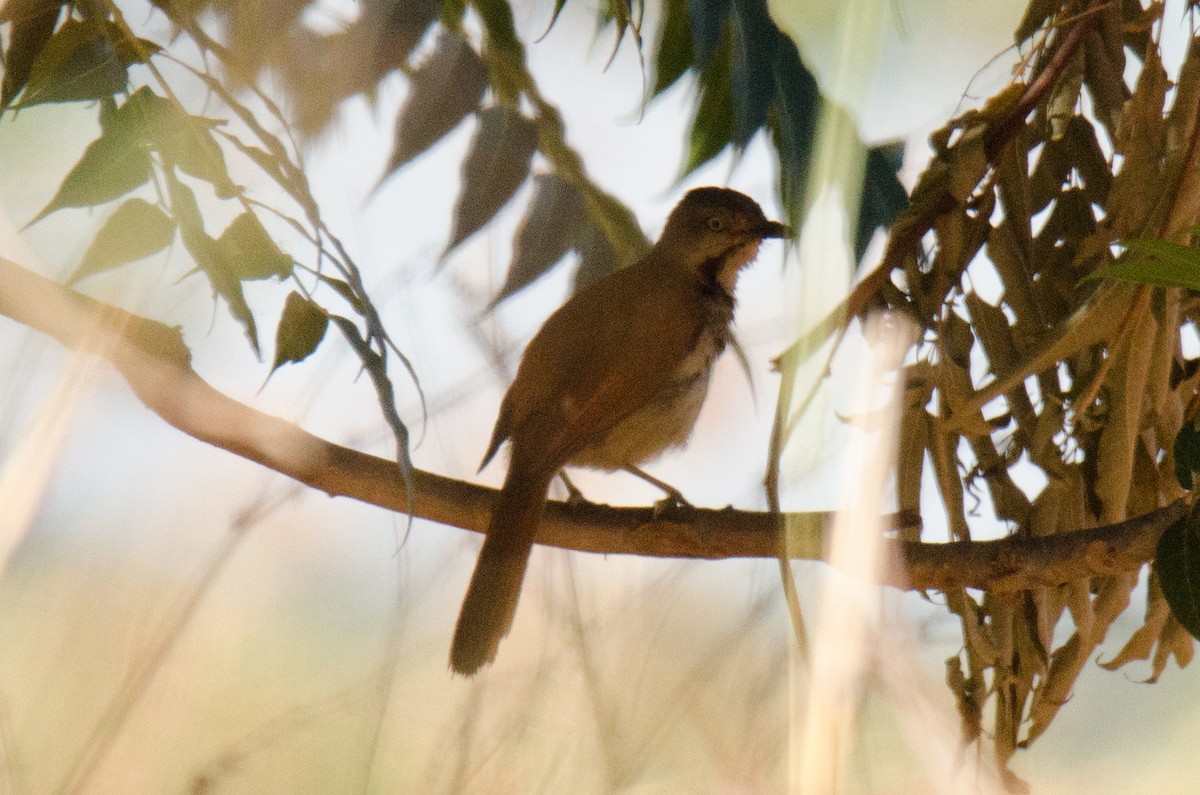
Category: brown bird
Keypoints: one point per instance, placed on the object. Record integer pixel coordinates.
(614, 377)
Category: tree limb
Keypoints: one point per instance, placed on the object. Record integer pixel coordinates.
(156, 363)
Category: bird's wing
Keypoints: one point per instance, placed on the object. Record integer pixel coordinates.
(599, 358)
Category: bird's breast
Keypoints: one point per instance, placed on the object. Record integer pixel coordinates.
(667, 418)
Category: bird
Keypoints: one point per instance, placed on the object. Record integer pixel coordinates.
(613, 378)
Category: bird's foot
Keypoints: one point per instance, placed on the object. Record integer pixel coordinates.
(575, 498)
(673, 504)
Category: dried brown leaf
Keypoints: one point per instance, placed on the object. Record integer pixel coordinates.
(1064, 97)
(1126, 392)
(1140, 140)
(1055, 690)
(1182, 167)
(1182, 644)
(1012, 181)
(980, 648)
(1105, 80)
(968, 698)
(1141, 643)
(910, 454)
(1084, 152)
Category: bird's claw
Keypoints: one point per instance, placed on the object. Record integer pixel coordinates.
(673, 503)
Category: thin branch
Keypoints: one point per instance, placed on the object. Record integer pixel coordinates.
(157, 365)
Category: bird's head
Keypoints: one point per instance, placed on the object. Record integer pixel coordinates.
(716, 232)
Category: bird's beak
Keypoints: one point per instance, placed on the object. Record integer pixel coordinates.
(774, 229)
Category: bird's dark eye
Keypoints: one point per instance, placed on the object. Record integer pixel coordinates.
(715, 224)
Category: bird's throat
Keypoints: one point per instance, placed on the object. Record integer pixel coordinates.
(722, 271)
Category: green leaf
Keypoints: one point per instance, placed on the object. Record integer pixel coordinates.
(712, 125)
(183, 140)
(137, 229)
(674, 55)
(496, 166)
(347, 293)
(1187, 455)
(441, 93)
(558, 7)
(111, 166)
(883, 197)
(249, 252)
(209, 256)
(31, 26)
(707, 18)
(797, 106)
(1177, 563)
(1157, 262)
(550, 229)
(621, 14)
(301, 329)
(504, 52)
(81, 61)
(755, 39)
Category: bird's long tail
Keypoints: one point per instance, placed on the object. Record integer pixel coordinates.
(491, 601)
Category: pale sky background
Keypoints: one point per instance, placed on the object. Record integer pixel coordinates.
(306, 606)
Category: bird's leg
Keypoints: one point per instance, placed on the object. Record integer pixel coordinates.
(575, 497)
(674, 499)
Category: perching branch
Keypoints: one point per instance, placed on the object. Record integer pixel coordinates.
(155, 362)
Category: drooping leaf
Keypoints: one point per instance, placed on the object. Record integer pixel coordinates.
(621, 14)
(31, 25)
(442, 92)
(183, 140)
(111, 166)
(301, 328)
(674, 53)
(883, 197)
(558, 7)
(1071, 219)
(713, 124)
(550, 229)
(1089, 159)
(1177, 563)
(707, 20)
(1104, 76)
(394, 27)
(347, 293)
(1157, 262)
(82, 61)
(209, 257)
(797, 107)
(135, 230)
(496, 166)
(249, 252)
(1049, 174)
(755, 38)
(1036, 14)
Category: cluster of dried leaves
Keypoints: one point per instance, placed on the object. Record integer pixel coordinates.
(1027, 361)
